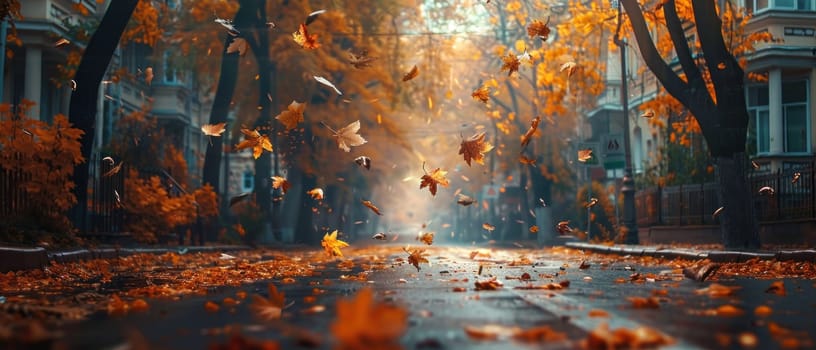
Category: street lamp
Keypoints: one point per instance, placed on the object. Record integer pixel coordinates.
(628, 187)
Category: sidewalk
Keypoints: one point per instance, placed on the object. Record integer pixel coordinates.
(15, 258)
(805, 255)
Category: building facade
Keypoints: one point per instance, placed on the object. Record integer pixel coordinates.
(33, 73)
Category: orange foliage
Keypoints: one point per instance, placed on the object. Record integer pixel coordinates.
(42, 157)
(152, 210)
(143, 27)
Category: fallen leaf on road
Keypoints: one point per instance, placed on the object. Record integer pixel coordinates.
(763, 311)
(716, 290)
(602, 338)
(597, 313)
(539, 334)
(490, 331)
(777, 287)
(363, 323)
(211, 306)
(491, 284)
(702, 273)
(644, 303)
(416, 257)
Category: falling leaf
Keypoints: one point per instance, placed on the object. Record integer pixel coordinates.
(766, 190)
(347, 136)
(316, 193)
(326, 82)
(62, 42)
(238, 198)
(313, 16)
(109, 160)
(539, 29)
(717, 212)
(510, 63)
(360, 60)
(465, 200)
(254, 140)
(721, 65)
(416, 257)
(563, 227)
(525, 160)
(488, 226)
(292, 115)
(371, 206)
(436, 177)
(332, 245)
(73, 85)
(592, 202)
(113, 171)
(570, 67)
(363, 161)
(228, 24)
(474, 148)
(363, 323)
(525, 139)
(426, 237)
(379, 236)
(754, 165)
(148, 75)
(534, 229)
(411, 74)
(796, 177)
(269, 309)
(481, 94)
(280, 182)
(304, 39)
(213, 129)
(648, 114)
(238, 45)
(584, 155)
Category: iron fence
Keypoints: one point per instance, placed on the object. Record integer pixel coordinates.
(694, 204)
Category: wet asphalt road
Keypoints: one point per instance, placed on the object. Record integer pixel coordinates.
(438, 315)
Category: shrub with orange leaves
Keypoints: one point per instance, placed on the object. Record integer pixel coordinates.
(38, 159)
(152, 210)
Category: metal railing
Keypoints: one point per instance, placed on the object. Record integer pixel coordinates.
(694, 204)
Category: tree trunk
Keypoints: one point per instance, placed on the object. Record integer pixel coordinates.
(263, 165)
(88, 77)
(738, 220)
(221, 103)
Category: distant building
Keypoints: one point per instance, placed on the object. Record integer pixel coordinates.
(29, 73)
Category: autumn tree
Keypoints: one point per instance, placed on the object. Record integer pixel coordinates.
(721, 113)
(89, 74)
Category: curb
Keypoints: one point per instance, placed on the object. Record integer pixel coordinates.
(16, 259)
(721, 256)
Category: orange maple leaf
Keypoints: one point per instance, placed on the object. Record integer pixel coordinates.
(304, 39)
(539, 29)
(292, 115)
(363, 323)
(436, 177)
(213, 129)
(332, 245)
(269, 308)
(373, 208)
(280, 182)
(426, 237)
(416, 257)
(413, 73)
(510, 63)
(255, 141)
(474, 148)
(481, 94)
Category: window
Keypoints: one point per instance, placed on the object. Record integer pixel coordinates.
(795, 115)
(169, 72)
(797, 5)
(248, 181)
(759, 136)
